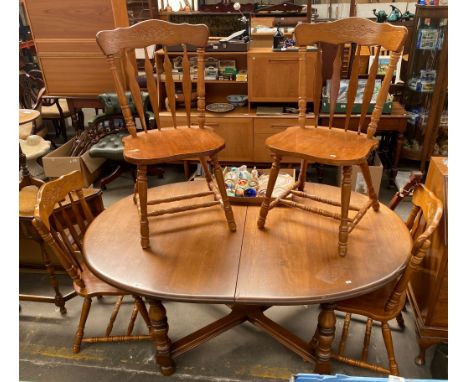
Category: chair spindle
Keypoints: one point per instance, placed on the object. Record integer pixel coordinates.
(201, 86)
(318, 86)
(335, 83)
(186, 85)
(352, 86)
(170, 87)
(369, 89)
(135, 88)
(152, 89)
(302, 86)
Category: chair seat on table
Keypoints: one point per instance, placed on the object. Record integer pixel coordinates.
(329, 146)
(182, 142)
(109, 147)
(53, 112)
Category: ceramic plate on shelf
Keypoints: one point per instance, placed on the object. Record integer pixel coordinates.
(219, 107)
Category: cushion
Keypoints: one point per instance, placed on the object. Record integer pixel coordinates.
(53, 112)
(109, 147)
(112, 105)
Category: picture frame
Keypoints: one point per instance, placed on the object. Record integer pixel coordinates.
(384, 62)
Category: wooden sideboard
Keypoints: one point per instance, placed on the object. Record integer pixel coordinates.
(428, 290)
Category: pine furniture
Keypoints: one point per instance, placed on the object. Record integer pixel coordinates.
(62, 228)
(250, 269)
(386, 303)
(182, 141)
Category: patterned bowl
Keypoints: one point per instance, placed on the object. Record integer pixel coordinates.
(237, 99)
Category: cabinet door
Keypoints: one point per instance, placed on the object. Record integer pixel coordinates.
(265, 127)
(238, 134)
(273, 77)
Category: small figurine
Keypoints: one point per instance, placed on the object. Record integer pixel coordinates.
(381, 16)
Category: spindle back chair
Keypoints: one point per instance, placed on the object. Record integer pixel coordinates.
(387, 302)
(327, 144)
(169, 144)
(62, 226)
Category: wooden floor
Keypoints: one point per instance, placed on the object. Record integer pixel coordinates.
(241, 354)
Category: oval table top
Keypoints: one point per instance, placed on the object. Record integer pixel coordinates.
(194, 257)
(28, 115)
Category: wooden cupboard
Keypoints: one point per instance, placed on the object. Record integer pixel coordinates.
(428, 289)
(65, 37)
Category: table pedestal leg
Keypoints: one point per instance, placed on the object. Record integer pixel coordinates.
(326, 334)
(162, 343)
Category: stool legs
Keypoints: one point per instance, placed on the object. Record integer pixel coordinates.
(345, 198)
(370, 188)
(271, 184)
(142, 185)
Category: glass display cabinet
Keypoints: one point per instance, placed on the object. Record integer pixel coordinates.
(425, 95)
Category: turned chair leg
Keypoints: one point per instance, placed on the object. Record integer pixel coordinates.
(142, 182)
(370, 188)
(80, 331)
(367, 335)
(345, 199)
(387, 336)
(302, 175)
(271, 185)
(344, 334)
(218, 173)
(58, 300)
(113, 316)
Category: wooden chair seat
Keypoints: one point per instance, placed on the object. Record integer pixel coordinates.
(322, 144)
(171, 144)
(95, 286)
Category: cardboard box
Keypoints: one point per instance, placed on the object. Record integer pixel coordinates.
(59, 162)
(357, 179)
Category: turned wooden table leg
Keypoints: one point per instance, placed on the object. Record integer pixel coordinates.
(326, 334)
(396, 160)
(162, 343)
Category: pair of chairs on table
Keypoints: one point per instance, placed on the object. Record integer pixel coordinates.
(32, 96)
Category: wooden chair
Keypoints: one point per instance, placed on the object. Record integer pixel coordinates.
(169, 144)
(387, 302)
(327, 144)
(63, 228)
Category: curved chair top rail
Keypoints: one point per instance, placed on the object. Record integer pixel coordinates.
(151, 32)
(353, 30)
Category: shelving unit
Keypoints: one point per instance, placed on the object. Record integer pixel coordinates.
(425, 96)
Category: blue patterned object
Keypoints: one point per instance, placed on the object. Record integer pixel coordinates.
(345, 378)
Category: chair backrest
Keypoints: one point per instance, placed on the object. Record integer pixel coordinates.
(422, 222)
(359, 32)
(119, 46)
(30, 91)
(61, 217)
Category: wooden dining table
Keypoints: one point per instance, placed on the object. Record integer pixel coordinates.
(194, 258)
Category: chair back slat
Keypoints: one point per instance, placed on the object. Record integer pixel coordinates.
(165, 34)
(352, 86)
(201, 102)
(132, 74)
(335, 83)
(186, 85)
(424, 219)
(354, 32)
(152, 89)
(170, 87)
(369, 89)
(76, 212)
(318, 86)
(382, 95)
(302, 86)
(61, 234)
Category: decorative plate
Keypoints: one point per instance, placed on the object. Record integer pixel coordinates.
(219, 107)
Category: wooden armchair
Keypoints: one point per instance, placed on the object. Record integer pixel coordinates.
(327, 144)
(387, 302)
(62, 227)
(160, 145)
